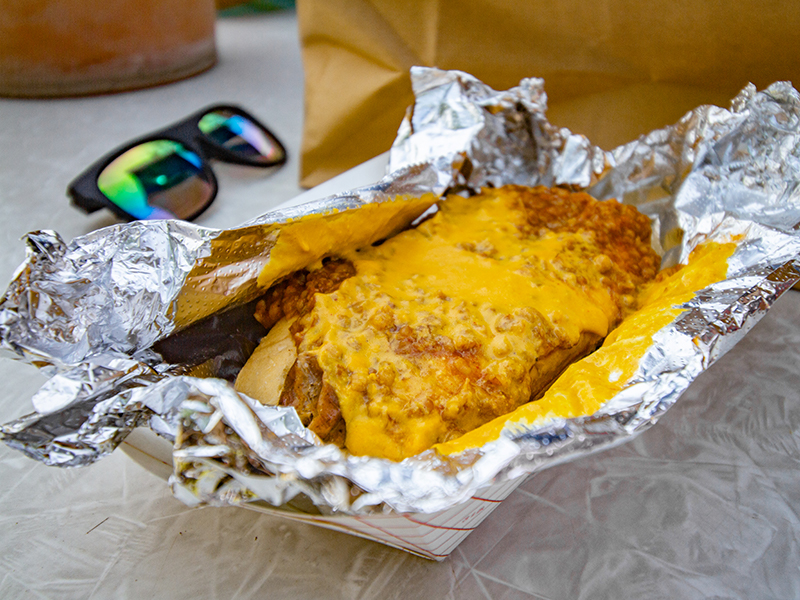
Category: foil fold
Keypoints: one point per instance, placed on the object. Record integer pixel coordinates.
(90, 312)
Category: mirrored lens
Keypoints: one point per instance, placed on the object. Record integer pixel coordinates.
(239, 134)
(161, 179)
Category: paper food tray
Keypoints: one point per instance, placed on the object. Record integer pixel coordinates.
(432, 535)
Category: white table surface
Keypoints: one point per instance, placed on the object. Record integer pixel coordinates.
(705, 504)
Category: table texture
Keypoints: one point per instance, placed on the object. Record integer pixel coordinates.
(706, 504)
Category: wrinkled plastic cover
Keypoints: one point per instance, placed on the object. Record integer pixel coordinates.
(89, 312)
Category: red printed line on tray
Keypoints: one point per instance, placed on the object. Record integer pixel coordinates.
(433, 526)
(401, 540)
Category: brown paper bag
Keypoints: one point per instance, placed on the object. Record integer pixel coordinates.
(613, 69)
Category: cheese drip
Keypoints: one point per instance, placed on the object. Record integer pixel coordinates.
(588, 384)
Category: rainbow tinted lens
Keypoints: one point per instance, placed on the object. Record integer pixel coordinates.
(160, 179)
(240, 135)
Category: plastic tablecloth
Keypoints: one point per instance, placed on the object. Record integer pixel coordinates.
(703, 505)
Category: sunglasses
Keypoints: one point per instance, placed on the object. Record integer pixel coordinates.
(166, 174)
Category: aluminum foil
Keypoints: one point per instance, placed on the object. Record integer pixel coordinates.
(92, 312)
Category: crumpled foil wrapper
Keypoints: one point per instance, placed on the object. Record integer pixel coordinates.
(90, 312)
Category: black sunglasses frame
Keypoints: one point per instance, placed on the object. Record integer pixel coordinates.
(86, 195)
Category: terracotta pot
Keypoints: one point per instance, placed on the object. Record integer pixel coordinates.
(75, 47)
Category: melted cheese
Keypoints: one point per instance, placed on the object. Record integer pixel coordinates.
(440, 330)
